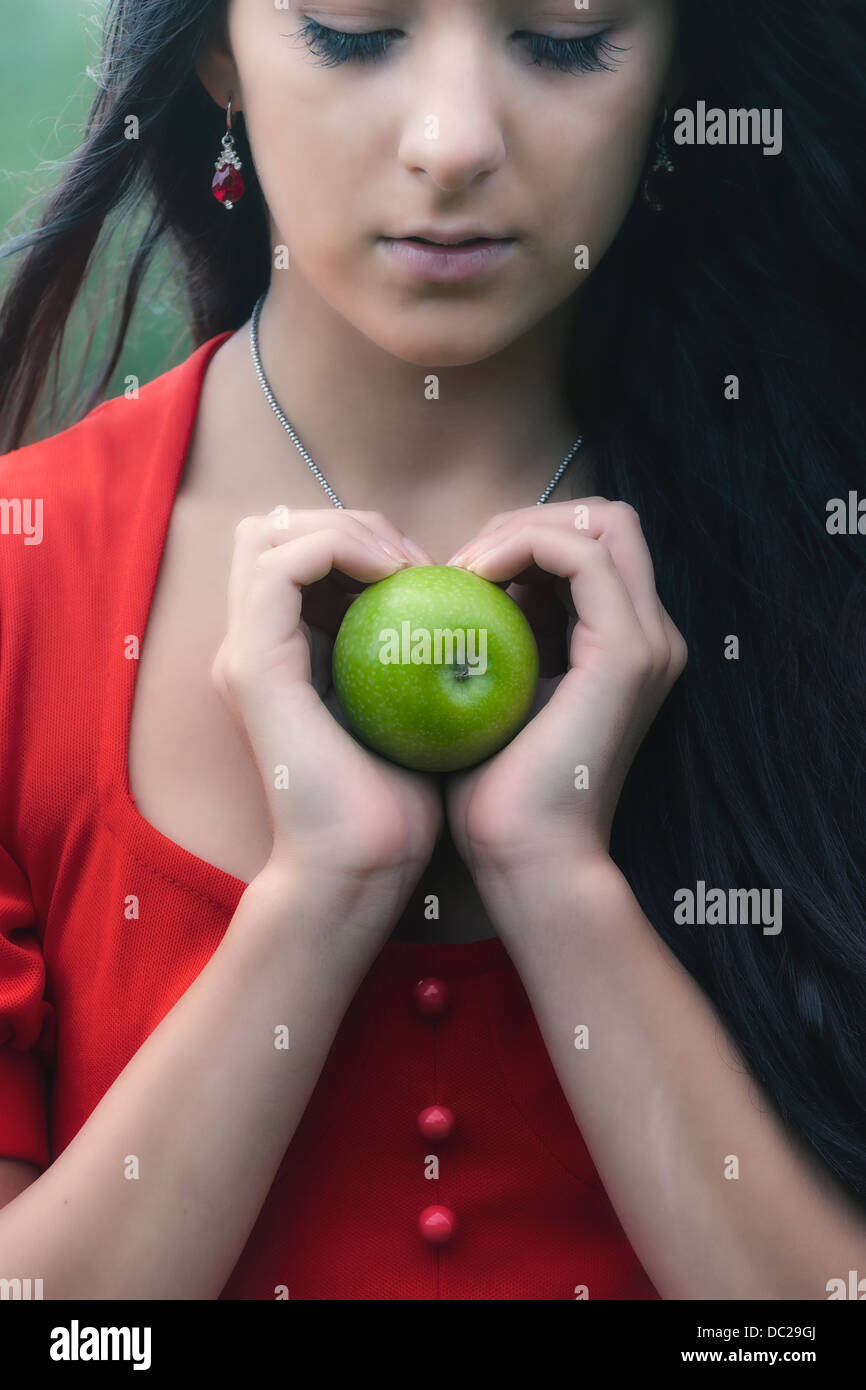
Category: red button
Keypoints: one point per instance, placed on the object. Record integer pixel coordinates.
(431, 997)
(437, 1224)
(436, 1122)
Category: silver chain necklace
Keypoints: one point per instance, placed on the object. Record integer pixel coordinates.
(263, 381)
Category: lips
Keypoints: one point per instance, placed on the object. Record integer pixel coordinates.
(439, 234)
(469, 241)
(446, 262)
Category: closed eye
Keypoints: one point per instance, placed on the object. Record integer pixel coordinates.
(336, 46)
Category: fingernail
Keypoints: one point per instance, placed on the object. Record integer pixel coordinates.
(394, 553)
(415, 551)
(477, 557)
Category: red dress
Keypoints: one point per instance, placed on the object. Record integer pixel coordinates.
(82, 986)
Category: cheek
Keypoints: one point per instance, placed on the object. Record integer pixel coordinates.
(313, 157)
(597, 173)
(603, 138)
(313, 177)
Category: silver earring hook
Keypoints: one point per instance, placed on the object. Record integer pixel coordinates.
(229, 114)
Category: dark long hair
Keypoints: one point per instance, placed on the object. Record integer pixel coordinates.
(753, 774)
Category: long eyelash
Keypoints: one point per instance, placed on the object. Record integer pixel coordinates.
(573, 55)
(338, 46)
(335, 46)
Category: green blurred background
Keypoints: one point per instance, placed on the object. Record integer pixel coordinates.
(46, 50)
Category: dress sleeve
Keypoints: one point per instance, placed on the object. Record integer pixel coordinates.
(26, 1023)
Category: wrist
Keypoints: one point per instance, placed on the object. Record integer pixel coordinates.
(290, 910)
(545, 895)
(338, 892)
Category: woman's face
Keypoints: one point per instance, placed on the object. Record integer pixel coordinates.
(495, 113)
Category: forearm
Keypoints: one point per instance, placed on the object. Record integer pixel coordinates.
(665, 1103)
(206, 1107)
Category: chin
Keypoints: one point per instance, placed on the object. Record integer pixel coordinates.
(460, 345)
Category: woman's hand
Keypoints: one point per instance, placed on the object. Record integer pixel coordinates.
(336, 809)
(531, 802)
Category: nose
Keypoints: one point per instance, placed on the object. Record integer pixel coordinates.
(453, 128)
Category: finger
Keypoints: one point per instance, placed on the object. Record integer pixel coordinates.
(623, 535)
(255, 534)
(617, 525)
(381, 526)
(560, 511)
(290, 519)
(598, 590)
(273, 606)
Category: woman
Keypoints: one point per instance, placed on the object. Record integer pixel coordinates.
(315, 1025)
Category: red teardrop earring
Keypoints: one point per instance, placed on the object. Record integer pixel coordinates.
(228, 185)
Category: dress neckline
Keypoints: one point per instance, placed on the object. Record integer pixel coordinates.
(158, 462)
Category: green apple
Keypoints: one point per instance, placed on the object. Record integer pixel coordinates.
(435, 667)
